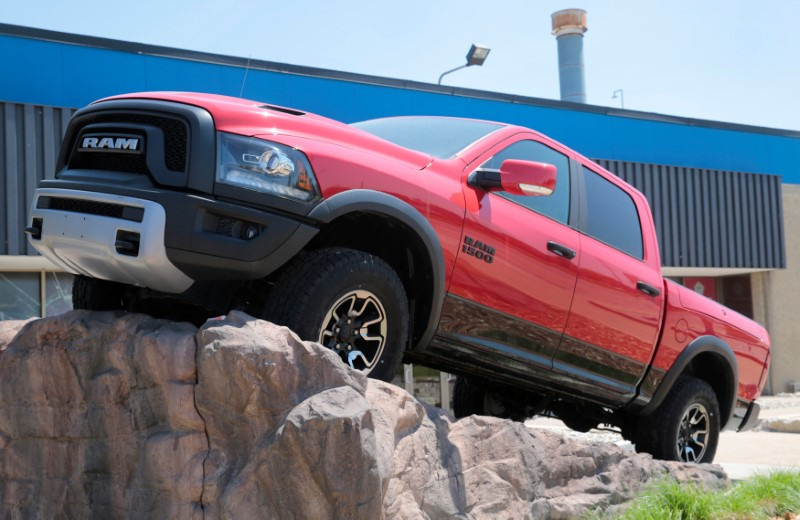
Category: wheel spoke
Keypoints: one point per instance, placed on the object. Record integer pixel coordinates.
(693, 433)
(691, 456)
(361, 311)
(359, 343)
(372, 322)
(352, 305)
(353, 355)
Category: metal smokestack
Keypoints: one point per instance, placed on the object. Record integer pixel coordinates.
(568, 28)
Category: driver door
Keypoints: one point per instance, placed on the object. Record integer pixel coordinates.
(515, 273)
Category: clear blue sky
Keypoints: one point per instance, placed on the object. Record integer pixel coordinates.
(733, 60)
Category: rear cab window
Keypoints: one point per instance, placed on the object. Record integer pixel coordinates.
(611, 215)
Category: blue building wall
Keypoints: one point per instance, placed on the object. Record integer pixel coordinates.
(58, 73)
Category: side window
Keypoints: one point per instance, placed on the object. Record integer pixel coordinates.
(611, 215)
(555, 206)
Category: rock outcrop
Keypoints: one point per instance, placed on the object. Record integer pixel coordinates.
(118, 415)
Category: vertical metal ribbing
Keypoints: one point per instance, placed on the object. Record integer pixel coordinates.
(12, 180)
(728, 230)
(49, 142)
(711, 218)
(30, 137)
(706, 204)
(31, 168)
(776, 224)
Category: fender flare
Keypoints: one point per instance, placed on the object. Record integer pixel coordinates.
(700, 345)
(371, 201)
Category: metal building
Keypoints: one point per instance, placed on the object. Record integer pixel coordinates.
(723, 195)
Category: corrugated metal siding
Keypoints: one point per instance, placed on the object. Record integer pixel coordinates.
(30, 137)
(711, 218)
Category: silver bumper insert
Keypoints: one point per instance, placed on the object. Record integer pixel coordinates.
(84, 243)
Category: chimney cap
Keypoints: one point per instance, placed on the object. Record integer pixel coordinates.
(569, 21)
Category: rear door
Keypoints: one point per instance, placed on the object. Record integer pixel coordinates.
(612, 330)
(510, 292)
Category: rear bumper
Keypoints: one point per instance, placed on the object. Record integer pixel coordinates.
(744, 417)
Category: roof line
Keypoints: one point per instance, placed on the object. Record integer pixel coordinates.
(272, 66)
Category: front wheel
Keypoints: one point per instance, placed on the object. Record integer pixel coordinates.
(95, 294)
(349, 301)
(685, 427)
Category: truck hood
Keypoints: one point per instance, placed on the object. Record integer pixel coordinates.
(251, 118)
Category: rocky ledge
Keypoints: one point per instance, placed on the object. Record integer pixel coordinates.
(126, 416)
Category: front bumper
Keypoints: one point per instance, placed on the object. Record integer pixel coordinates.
(161, 239)
(87, 244)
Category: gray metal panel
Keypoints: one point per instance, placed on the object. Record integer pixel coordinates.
(30, 136)
(711, 218)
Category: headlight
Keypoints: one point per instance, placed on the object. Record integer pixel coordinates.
(256, 164)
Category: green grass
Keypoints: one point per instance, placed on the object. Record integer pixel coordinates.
(763, 496)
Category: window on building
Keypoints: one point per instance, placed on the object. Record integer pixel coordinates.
(25, 295)
(20, 296)
(555, 206)
(57, 293)
(611, 215)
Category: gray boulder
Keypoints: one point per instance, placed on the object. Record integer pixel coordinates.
(125, 416)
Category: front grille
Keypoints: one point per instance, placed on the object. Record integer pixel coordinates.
(113, 162)
(175, 144)
(91, 207)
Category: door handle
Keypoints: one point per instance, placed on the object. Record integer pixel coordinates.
(647, 289)
(562, 251)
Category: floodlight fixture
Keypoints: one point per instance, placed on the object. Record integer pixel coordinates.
(476, 56)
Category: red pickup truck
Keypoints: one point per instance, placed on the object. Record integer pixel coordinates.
(479, 248)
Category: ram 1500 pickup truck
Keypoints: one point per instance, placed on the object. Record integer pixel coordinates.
(484, 249)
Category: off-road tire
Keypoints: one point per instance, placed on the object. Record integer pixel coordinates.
(308, 289)
(660, 433)
(95, 295)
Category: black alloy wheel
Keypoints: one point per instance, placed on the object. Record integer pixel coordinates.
(355, 327)
(685, 427)
(351, 302)
(693, 434)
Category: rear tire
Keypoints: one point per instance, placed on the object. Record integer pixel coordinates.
(351, 302)
(685, 427)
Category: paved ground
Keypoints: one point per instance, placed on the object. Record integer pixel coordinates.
(765, 449)
(741, 454)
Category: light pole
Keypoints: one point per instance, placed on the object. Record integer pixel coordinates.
(476, 56)
(621, 97)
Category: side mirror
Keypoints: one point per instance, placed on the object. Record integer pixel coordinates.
(517, 177)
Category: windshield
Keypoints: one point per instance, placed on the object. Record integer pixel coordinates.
(440, 137)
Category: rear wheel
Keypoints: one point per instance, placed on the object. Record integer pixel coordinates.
(685, 427)
(349, 301)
